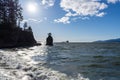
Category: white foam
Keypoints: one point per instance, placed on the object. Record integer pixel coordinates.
(21, 66)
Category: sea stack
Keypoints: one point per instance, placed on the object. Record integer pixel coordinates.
(49, 40)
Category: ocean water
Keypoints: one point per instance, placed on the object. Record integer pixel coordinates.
(63, 61)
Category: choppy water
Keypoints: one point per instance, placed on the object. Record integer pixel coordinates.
(73, 61)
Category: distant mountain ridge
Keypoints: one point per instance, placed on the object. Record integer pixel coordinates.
(110, 40)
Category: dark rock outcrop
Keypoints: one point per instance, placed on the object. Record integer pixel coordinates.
(49, 40)
(15, 37)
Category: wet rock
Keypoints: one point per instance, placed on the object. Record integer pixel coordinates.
(49, 40)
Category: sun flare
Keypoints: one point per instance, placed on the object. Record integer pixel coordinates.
(32, 7)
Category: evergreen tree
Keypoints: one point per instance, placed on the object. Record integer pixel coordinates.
(25, 25)
(10, 12)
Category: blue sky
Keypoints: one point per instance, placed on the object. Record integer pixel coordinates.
(73, 20)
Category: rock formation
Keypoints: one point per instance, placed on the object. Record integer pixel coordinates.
(11, 35)
(49, 40)
(15, 37)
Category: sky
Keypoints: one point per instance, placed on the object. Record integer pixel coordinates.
(73, 20)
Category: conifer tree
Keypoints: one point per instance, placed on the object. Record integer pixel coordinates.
(10, 12)
(25, 25)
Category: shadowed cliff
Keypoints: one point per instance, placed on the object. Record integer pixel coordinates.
(11, 34)
(15, 37)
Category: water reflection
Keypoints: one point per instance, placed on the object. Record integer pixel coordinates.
(95, 61)
(62, 62)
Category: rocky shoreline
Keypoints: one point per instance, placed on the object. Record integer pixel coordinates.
(11, 37)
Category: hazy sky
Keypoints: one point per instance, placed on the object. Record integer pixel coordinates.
(73, 20)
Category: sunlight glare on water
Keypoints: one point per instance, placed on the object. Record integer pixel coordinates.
(61, 62)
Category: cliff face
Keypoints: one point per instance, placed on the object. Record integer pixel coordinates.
(26, 38)
(15, 37)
